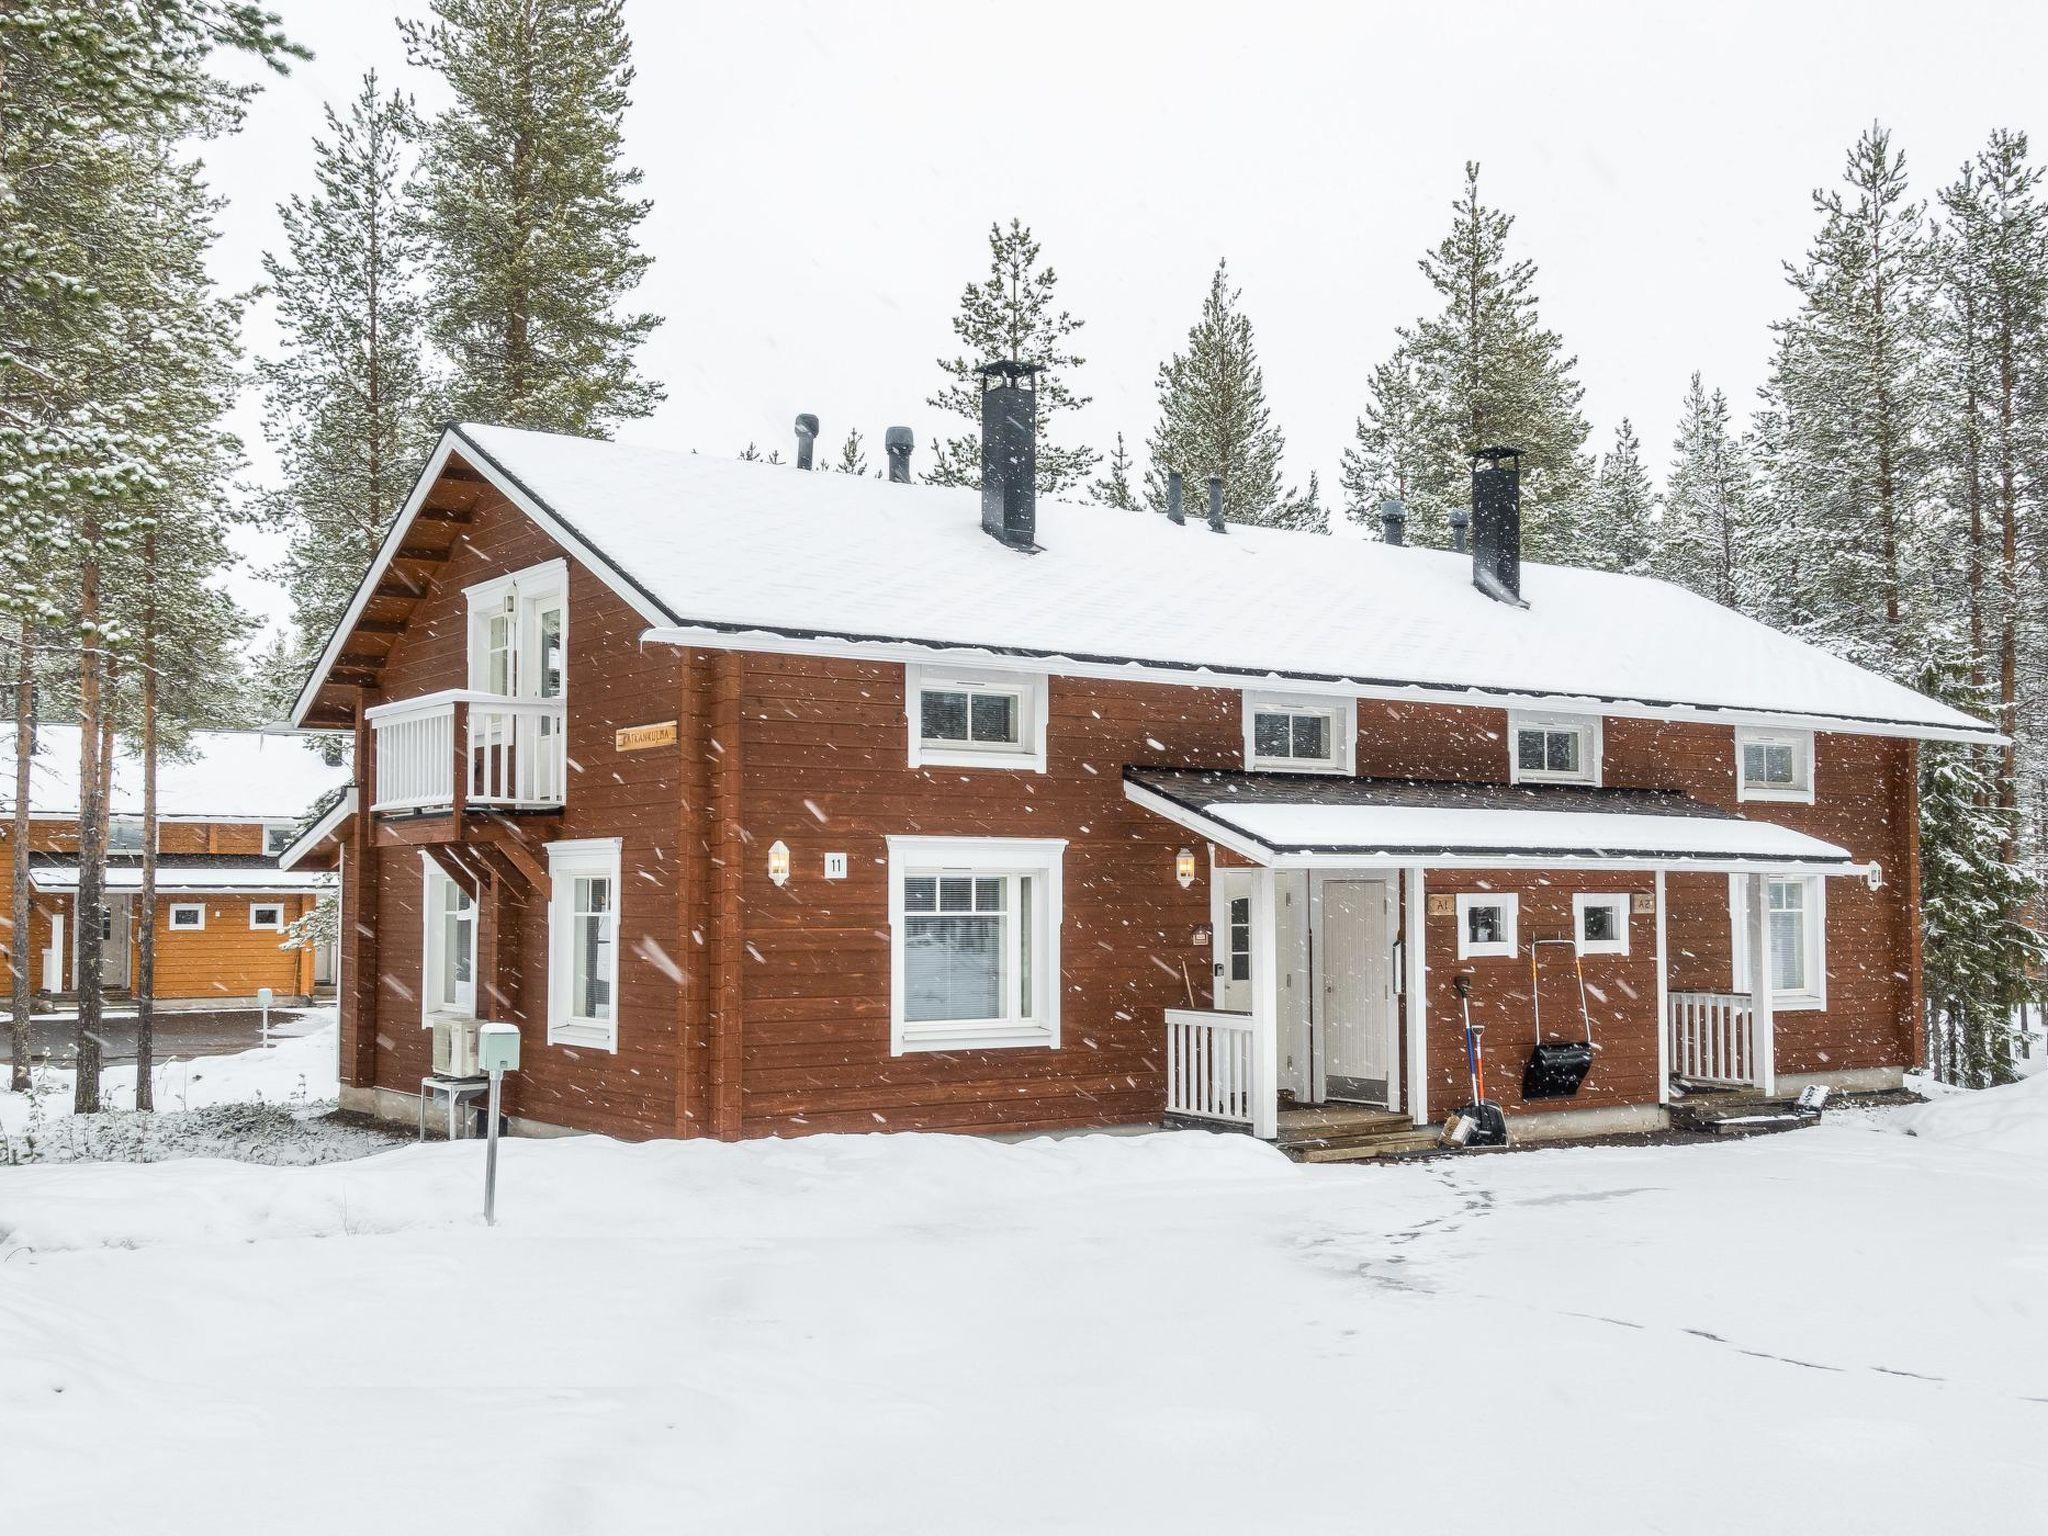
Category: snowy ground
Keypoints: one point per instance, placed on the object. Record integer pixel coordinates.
(1838, 1330)
(269, 1105)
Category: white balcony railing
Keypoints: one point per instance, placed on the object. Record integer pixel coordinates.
(1212, 1065)
(459, 749)
(1713, 1038)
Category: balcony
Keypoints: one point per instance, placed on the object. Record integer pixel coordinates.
(458, 750)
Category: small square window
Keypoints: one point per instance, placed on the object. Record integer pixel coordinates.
(1487, 924)
(277, 836)
(1554, 749)
(188, 916)
(1774, 765)
(266, 914)
(1601, 923)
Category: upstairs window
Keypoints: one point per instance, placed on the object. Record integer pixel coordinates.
(1553, 749)
(517, 629)
(1774, 765)
(124, 834)
(1290, 734)
(277, 836)
(973, 719)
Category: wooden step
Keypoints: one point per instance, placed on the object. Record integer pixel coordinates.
(1735, 1114)
(1365, 1148)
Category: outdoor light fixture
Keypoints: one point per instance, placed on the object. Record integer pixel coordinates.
(778, 862)
(1184, 867)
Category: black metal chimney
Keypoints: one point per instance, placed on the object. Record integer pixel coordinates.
(1460, 521)
(1174, 514)
(1216, 504)
(1393, 521)
(1009, 453)
(1497, 524)
(899, 442)
(806, 435)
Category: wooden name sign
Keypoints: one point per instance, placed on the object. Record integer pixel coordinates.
(1443, 906)
(639, 738)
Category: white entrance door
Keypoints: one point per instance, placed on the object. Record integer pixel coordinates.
(1232, 918)
(1356, 1018)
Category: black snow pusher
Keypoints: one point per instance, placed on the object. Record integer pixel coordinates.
(1557, 1068)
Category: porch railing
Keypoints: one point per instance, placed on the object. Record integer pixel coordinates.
(1713, 1038)
(1211, 1065)
(458, 749)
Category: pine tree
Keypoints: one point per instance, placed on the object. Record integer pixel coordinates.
(1706, 502)
(1113, 489)
(1616, 534)
(528, 216)
(1213, 417)
(1481, 370)
(351, 410)
(1305, 513)
(1846, 419)
(1390, 454)
(1010, 315)
(853, 458)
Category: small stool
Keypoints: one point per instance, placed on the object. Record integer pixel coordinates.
(455, 1090)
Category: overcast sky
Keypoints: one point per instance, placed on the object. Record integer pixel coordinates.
(823, 176)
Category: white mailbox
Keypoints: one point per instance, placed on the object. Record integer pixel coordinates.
(497, 1048)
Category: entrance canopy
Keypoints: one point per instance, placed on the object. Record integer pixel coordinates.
(1310, 821)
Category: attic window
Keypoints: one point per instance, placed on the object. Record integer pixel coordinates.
(1774, 765)
(1299, 735)
(1553, 749)
(975, 719)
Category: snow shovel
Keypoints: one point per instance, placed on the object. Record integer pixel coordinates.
(1479, 1123)
(1556, 1068)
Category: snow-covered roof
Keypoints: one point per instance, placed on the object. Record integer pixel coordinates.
(765, 557)
(228, 776)
(1298, 820)
(178, 879)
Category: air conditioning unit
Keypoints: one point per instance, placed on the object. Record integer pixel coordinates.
(455, 1046)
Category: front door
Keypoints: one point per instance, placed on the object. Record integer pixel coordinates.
(1357, 992)
(114, 939)
(1233, 928)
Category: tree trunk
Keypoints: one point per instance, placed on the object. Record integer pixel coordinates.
(145, 962)
(20, 947)
(92, 829)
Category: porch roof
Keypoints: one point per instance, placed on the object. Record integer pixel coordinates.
(1293, 821)
(183, 874)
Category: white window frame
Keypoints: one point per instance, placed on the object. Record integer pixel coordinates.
(569, 861)
(1582, 901)
(284, 829)
(266, 906)
(1042, 858)
(523, 594)
(1343, 717)
(1511, 925)
(136, 822)
(1801, 743)
(1812, 998)
(437, 886)
(1030, 689)
(178, 908)
(1589, 729)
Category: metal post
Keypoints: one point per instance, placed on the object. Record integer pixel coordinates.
(263, 998)
(491, 1151)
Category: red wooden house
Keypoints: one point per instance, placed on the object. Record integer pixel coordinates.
(766, 801)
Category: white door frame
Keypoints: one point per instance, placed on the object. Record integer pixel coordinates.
(1390, 932)
(53, 957)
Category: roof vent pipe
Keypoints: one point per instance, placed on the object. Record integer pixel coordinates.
(1497, 524)
(1460, 521)
(806, 436)
(1216, 504)
(1393, 520)
(1009, 453)
(899, 442)
(1174, 514)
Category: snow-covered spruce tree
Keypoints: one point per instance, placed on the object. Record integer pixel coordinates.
(1616, 531)
(1703, 538)
(1304, 512)
(528, 214)
(1486, 371)
(853, 458)
(1980, 954)
(1844, 431)
(1113, 487)
(1213, 417)
(1012, 314)
(351, 408)
(1991, 423)
(1389, 456)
